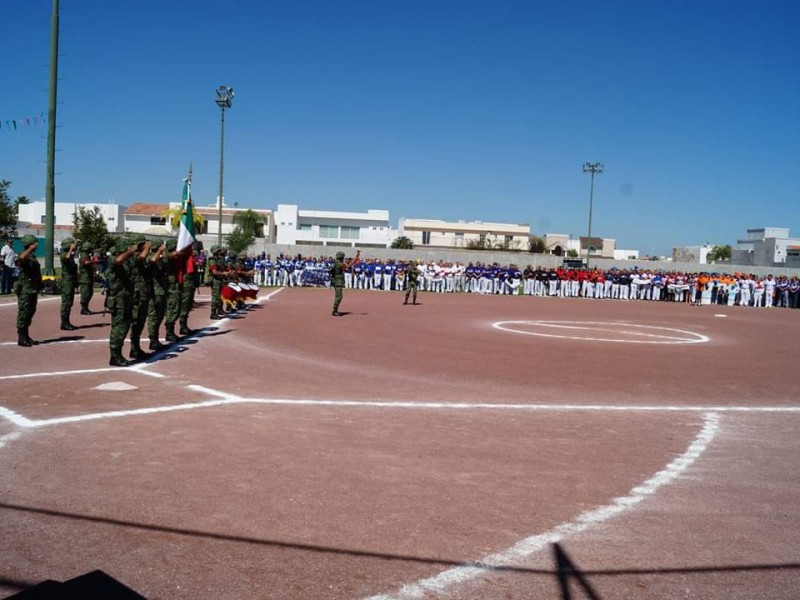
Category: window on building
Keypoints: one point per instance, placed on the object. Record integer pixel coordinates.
(509, 239)
(483, 238)
(158, 220)
(350, 233)
(303, 227)
(459, 238)
(426, 237)
(328, 231)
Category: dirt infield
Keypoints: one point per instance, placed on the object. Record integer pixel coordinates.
(468, 447)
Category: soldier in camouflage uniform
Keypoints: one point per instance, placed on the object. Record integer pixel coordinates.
(142, 293)
(69, 279)
(173, 290)
(88, 264)
(158, 306)
(187, 297)
(412, 282)
(218, 272)
(27, 288)
(337, 278)
(119, 299)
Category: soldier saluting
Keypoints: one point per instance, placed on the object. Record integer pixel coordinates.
(27, 289)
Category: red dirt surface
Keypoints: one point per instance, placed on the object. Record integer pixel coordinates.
(414, 439)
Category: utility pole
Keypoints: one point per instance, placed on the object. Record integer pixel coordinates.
(224, 100)
(50, 190)
(591, 168)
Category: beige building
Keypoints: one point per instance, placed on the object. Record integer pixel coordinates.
(430, 233)
(560, 244)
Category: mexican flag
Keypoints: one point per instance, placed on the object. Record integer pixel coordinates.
(186, 232)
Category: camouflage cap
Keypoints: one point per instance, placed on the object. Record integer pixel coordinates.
(215, 248)
(28, 240)
(121, 245)
(340, 255)
(88, 246)
(67, 242)
(172, 244)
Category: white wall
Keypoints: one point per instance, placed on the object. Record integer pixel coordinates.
(293, 225)
(64, 212)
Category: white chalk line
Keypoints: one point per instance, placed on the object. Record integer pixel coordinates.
(660, 338)
(140, 368)
(440, 583)
(40, 300)
(225, 399)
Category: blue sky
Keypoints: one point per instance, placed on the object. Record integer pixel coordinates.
(476, 110)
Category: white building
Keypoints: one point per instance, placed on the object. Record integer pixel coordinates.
(765, 247)
(332, 228)
(626, 254)
(431, 233)
(151, 219)
(64, 213)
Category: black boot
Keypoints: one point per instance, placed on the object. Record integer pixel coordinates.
(28, 338)
(22, 339)
(171, 337)
(85, 309)
(66, 325)
(215, 315)
(136, 350)
(155, 345)
(184, 330)
(118, 361)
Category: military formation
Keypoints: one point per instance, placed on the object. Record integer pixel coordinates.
(147, 285)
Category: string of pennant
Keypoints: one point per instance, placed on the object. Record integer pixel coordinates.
(35, 120)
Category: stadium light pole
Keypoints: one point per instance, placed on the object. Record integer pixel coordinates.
(224, 100)
(591, 168)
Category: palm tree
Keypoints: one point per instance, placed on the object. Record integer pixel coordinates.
(174, 214)
(250, 222)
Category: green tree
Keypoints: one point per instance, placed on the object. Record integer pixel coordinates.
(536, 245)
(250, 222)
(572, 253)
(720, 253)
(402, 243)
(239, 241)
(88, 225)
(8, 212)
(248, 225)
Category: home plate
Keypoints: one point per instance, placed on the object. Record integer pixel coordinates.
(115, 386)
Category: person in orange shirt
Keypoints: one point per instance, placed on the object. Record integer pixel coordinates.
(700, 286)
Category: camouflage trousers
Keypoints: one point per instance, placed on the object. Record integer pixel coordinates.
(216, 295)
(337, 297)
(121, 309)
(67, 298)
(26, 307)
(155, 315)
(179, 303)
(139, 308)
(87, 291)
